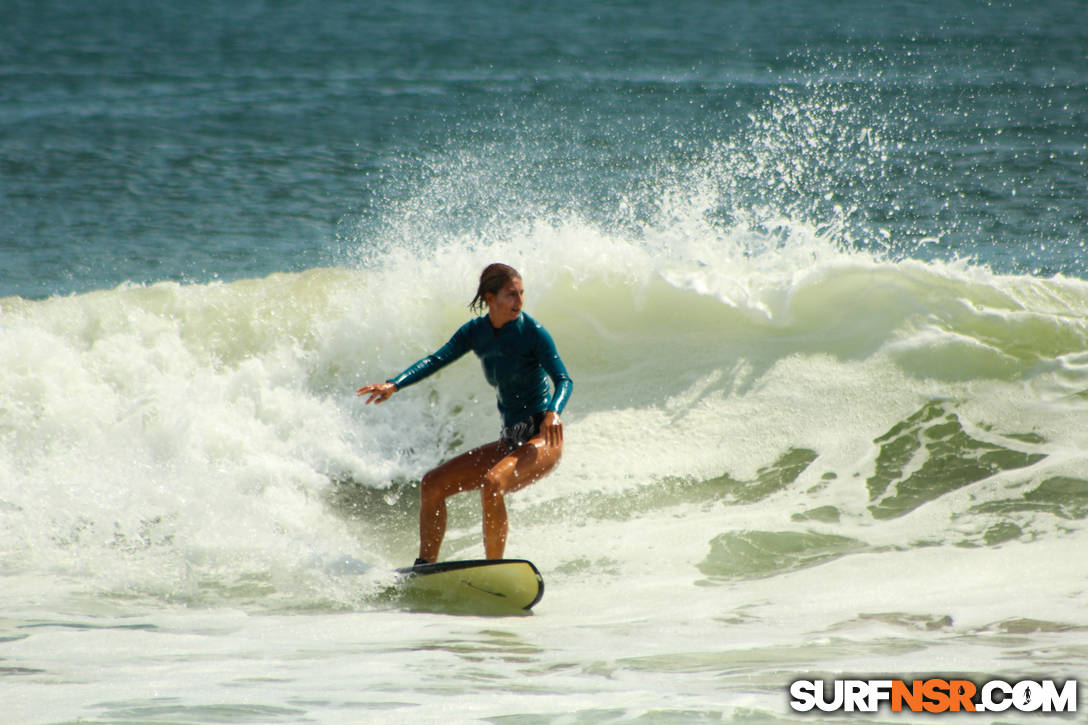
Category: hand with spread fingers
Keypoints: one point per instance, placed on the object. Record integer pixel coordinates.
(378, 392)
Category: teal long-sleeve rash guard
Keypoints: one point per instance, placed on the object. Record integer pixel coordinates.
(517, 358)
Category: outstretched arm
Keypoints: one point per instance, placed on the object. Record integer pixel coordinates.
(455, 348)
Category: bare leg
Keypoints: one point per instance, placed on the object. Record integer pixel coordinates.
(496, 523)
(527, 464)
(492, 470)
(463, 473)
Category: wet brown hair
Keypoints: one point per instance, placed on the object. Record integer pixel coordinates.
(492, 279)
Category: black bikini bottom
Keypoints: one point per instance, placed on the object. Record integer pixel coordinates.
(518, 434)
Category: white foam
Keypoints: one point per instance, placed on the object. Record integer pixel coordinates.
(202, 426)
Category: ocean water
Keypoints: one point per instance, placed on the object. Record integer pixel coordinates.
(817, 269)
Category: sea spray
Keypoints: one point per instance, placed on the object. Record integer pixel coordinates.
(212, 429)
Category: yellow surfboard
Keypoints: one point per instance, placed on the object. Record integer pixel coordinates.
(475, 586)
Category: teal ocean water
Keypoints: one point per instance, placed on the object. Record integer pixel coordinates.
(817, 270)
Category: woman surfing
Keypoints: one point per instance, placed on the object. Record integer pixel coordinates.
(518, 356)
